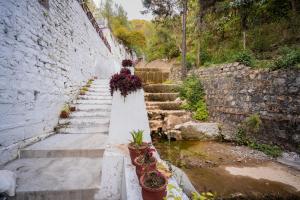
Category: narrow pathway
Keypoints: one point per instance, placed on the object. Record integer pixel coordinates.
(68, 164)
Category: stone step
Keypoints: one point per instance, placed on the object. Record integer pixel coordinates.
(161, 96)
(57, 178)
(97, 93)
(84, 121)
(81, 107)
(168, 105)
(93, 102)
(163, 113)
(100, 90)
(103, 129)
(161, 88)
(93, 113)
(142, 69)
(150, 77)
(85, 97)
(67, 145)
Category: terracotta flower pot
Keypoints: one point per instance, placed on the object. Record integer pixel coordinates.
(135, 152)
(143, 168)
(149, 193)
(72, 108)
(64, 114)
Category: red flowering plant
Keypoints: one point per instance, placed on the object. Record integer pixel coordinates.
(125, 82)
(127, 63)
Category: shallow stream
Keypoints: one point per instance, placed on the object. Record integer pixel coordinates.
(231, 172)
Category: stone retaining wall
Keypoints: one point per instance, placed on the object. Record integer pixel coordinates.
(46, 54)
(234, 91)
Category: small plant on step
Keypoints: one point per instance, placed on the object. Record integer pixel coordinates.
(85, 89)
(65, 112)
(82, 92)
(90, 81)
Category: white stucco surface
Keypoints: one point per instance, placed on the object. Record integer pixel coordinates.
(45, 57)
(128, 114)
(8, 182)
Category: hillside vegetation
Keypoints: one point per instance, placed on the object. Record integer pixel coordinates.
(258, 33)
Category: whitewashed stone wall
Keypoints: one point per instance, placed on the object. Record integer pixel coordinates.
(45, 56)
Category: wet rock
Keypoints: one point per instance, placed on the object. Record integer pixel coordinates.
(199, 131)
(172, 120)
(291, 159)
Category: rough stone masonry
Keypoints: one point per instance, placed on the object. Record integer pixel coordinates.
(46, 54)
(234, 92)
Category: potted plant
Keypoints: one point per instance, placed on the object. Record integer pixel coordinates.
(145, 162)
(125, 82)
(154, 185)
(137, 146)
(127, 63)
(65, 112)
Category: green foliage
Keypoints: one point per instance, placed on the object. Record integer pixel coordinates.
(245, 58)
(201, 113)
(193, 92)
(203, 196)
(252, 125)
(66, 108)
(290, 58)
(137, 137)
(270, 150)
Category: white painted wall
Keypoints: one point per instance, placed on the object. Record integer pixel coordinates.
(45, 56)
(128, 114)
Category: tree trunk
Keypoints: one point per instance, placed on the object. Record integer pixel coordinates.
(244, 39)
(184, 16)
(198, 61)
(294, 7)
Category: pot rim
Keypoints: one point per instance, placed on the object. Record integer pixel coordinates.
(163, 187)
(144, 146)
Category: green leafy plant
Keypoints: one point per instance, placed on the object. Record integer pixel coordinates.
(290, 58)
(270, 150)
(203, 196)
(245, 58)
(85, 89)
(137, 137)
(193, 92)
(201, 113)
(252, 125)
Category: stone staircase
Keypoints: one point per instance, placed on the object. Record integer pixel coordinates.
(68, 164)
(163, 104)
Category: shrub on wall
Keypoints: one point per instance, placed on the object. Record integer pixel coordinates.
(125, 82)
(245, 58)
(193, 92)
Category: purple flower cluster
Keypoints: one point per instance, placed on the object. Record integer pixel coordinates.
(125, 82)
(127, 63)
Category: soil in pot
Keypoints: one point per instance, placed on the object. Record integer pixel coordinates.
(136, 151)
(154, 186)
(143, 166)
